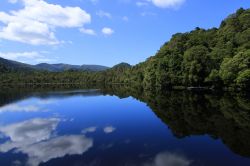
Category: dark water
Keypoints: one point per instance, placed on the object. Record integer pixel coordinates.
(123, 127)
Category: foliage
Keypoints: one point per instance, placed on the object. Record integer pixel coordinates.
(243, 80)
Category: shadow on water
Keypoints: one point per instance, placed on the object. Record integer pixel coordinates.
(222, 116)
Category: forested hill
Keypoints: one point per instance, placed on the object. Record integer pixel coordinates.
(214, 57)
(8, 65)
(13, 66)
(217, 57)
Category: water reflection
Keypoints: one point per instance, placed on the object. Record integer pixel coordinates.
(56, 147)
(24, 134)
(35, 139)
(94, 131)
(19, 108)
(36, 106)
(109, 129)
(89, 130)
(169, 159)
(224, 116)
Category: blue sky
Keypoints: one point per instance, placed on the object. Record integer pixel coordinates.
(104, 32)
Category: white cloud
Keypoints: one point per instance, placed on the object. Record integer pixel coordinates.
(16, 55)
(27, 31)
(36, 23)
(103, 14)
(54, 15)
(109, 129)
(87, 31)
(26, 56)
(107, 31)
(169, 159)
(167, 3)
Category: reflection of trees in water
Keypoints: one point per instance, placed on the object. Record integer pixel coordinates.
(219, 117)
(12, 94)
(223, 116)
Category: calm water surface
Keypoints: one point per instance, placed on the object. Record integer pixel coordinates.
(122, 128)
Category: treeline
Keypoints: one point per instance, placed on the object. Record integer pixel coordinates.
(217, 58)
(114, 75)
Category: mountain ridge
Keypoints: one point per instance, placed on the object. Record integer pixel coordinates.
(10, 65)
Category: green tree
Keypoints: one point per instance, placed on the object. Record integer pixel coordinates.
(243, 80)
(195, 65)
(232, 67)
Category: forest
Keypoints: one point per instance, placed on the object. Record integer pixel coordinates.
(217, 58)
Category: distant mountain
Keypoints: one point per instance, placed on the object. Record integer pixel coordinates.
(64, 67)
(9, 65)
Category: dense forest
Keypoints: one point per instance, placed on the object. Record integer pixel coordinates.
(214, 58)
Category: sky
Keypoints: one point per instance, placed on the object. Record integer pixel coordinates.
(103, 32)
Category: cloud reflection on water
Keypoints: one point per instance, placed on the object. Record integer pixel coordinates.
(37, 105)
(19, 108)
(89, 130)
(35, 139)
(57, 147)
(27, 107)
(169, 159)
(28, 132)
(109, 129)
